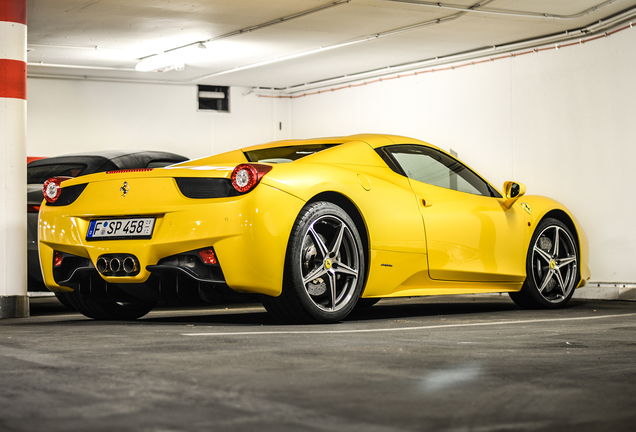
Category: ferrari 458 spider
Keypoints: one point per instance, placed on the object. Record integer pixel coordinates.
(313, 227)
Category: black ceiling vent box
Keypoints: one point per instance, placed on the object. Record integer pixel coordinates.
(214, 98)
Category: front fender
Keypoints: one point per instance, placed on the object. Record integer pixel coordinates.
(541, 207)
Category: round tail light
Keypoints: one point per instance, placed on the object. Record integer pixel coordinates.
(245, 177)
(52, 189)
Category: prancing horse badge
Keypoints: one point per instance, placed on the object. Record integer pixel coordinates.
(124, 189)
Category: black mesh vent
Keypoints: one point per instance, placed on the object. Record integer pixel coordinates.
(196, 187)
(69, 195)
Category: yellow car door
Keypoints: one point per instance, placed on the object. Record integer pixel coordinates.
(470, 234)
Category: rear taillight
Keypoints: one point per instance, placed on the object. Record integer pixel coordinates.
(52, 188)
(245, 177)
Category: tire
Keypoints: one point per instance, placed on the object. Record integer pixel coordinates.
(107, 310)
(552, 268)
(324, 268)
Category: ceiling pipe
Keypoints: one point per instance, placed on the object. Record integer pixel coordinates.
(248, 29)
(359, 83)
(479, 9)
(69, 66)
(331, 47)
(597, 27)
(77, 47)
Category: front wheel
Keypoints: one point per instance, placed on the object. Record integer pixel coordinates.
(324, 267)
(551, 266)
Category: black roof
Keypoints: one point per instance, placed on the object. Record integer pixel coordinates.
(88, 163)
(123, 159)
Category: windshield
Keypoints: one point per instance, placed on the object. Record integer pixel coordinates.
(285, 154)
(40, 174)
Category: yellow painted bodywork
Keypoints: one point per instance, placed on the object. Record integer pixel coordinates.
(422, 239)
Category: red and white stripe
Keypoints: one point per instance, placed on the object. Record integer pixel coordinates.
(13, 31)
(13, 254)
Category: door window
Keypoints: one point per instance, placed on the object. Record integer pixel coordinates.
(431, 166)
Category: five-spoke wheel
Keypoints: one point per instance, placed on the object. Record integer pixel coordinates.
(329, 263)
(324, 270)
(552, 267)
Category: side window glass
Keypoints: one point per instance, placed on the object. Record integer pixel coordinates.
(430, 166)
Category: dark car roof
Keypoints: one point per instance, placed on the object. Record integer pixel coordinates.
(108, 160)
(98, 161)
(122, 159)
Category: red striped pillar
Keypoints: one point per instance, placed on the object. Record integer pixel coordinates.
(13, 256)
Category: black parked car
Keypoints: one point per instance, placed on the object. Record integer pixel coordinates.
(74, 165)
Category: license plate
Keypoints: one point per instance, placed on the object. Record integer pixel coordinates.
(120, 228)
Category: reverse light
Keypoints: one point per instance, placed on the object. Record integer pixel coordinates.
(208, 256)
(52, 188)
(245, 177)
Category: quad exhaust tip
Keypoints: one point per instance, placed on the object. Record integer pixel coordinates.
(117, 265)
(129, 265)
(102, 265)
(114, 265)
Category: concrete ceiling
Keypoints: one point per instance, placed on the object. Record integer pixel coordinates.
(283, 44)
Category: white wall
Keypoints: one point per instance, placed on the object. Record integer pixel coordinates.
(66, 116)
(560, 121)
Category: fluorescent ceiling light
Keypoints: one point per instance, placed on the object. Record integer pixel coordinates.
(160, 63)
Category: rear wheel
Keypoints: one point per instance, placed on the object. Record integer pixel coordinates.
(551, 267)
(324, 268)
(107, 310)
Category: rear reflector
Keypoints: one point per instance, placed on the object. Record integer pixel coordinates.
(33, 208)
(208, 256)
(57, 258)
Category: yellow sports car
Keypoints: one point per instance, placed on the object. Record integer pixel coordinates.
(313, 227)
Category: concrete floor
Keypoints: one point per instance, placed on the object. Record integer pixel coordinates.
(468, 363)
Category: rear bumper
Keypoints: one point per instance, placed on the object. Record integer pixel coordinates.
(248, 233)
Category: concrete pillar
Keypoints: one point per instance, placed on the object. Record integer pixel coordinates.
(14, 302)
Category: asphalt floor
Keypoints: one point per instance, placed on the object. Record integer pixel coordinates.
(464, 363)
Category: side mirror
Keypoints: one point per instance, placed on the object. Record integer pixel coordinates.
(512, 192)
